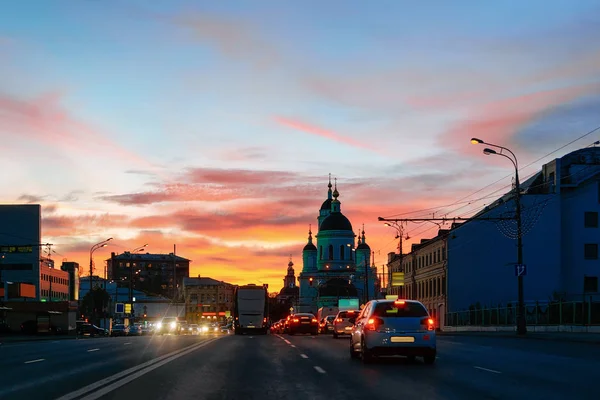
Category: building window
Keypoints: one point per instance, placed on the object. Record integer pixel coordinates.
(331, 252)
(591, 219)
(342, 255)
(590, 284)
(591, 251)
(320, 252)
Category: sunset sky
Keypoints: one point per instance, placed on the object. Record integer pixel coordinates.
(213, 125)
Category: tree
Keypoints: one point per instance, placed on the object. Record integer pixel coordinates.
(95, 303)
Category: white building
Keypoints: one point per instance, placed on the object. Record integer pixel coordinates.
(560, 242)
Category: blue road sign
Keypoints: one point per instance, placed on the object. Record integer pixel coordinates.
(119, 308)
(520, 270)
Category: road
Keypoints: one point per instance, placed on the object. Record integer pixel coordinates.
(292, 367)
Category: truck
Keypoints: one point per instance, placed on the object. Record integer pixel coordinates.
(325, 311)
(250, 309)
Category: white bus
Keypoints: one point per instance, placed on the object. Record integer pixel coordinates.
(250, 309)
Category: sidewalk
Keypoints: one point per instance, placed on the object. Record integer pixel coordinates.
(573, 337)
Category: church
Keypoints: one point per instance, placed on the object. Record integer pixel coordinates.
(335, 267)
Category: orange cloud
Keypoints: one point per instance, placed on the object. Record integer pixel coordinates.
(314, 130)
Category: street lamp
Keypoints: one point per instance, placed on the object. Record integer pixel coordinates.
(131, 272)
(95, 247)
(521, 321)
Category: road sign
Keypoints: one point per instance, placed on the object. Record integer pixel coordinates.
(128, 308)
(520, 270)
(292, 309)
(119, 308)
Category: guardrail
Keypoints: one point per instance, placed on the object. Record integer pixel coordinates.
(555, 313)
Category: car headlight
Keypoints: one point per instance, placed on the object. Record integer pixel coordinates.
(216, 329)
(173, 325)
(205, 329)
(159, 325)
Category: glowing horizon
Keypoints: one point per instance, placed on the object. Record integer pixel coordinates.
(214, 126)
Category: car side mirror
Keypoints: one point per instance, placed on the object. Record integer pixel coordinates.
(352, 320)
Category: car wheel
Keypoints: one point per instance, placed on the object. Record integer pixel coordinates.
(366, 355)
(335, 335)
(429, 359)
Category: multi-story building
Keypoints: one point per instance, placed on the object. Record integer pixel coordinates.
(20, 243)
(54, 283)
(560, 236)
(425, 274)
(207, 299)
(159, 274)
(72, 268)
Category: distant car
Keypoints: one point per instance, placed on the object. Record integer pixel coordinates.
(393, 327)
(119, 330)
(168, 325)
(135, 330)
(303, 323)
(194, 329)
(341, 323)
(226, 329)
(326, 324)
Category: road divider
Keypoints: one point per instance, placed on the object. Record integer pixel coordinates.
(100, 388)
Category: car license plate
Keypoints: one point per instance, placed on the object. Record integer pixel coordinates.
(402, 339)
(306, 322)
(348, 328)
(251, 326)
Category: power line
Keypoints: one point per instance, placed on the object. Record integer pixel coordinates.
(507, 176)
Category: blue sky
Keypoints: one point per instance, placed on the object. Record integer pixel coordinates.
(243, 108)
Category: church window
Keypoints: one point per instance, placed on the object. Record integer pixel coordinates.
(342, 255)
(331, 252)
(320, 252)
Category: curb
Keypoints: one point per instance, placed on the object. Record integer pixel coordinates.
(528, 337)
(3, 340)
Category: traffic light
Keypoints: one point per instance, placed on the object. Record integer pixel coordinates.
(310, 280)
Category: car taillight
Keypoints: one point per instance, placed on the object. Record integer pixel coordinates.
(429, 323)
(314, 320)
(339, 320)
(264, 320)
(295, 320)
(373, 324)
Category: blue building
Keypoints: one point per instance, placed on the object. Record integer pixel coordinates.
(334, 268)
(560, 206)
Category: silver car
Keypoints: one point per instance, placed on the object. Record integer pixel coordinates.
(393, 327)
(341, 323)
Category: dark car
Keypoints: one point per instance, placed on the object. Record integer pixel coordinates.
(135, 330)
(119, 330)
(91, 330)
(303, 323)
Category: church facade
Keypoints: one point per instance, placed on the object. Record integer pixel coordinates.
(337, 266)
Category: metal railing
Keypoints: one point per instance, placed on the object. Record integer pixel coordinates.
(538, 313)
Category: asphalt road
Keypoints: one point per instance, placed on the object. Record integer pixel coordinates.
(293, 367)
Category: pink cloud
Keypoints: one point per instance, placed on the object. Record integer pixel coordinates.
(498, 121)
(317, 131)
(43, 120)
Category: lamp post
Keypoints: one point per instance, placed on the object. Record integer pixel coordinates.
(521, 321)
(95, 247)
(399, 234)
(131, 273)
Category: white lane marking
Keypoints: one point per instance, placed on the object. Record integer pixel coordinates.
(131, 372)
(303, 356)
(287, 341)
(488, 370)
(291, 345)
(125, 344)
(90, 350)
(319, 369)
(34, 361)
(250, 337)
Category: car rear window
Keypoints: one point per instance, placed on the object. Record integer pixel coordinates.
(400, 310)
(347, 314)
